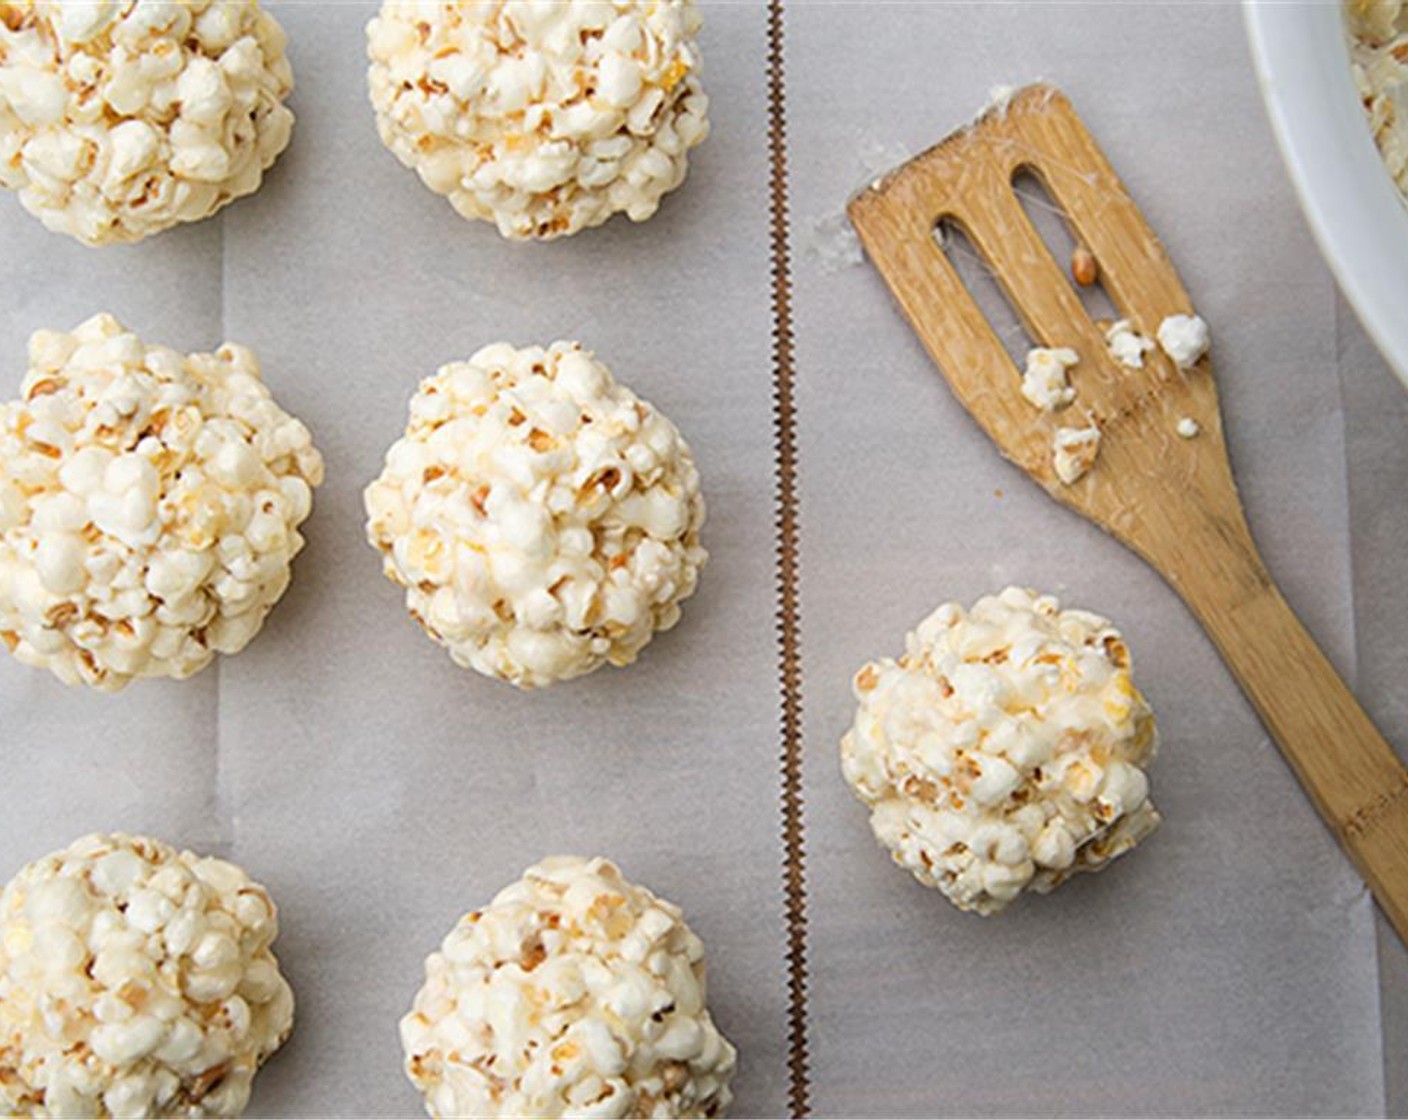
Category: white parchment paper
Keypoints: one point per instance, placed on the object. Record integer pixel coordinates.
(1230, 966)
(378, 790)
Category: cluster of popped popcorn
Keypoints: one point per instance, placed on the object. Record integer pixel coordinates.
(149, 506)
(545, 118)
(121, 118)
(136, 981)
(1379, 52)
(1005, 750)
(574, 993)
(542, 518)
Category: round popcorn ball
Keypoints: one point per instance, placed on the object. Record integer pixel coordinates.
(136, 980)
(149, 506)
(574, 993)
(1005, 750)
(119, 119)
(542, 519)
(543, 117)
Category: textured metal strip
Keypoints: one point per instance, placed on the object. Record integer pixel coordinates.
(790, 668)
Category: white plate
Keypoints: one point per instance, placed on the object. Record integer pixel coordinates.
(1302, 62)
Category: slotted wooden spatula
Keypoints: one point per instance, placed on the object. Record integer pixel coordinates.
(1170, 499)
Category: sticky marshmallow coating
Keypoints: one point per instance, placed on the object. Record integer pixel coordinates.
(1378, 31)
(542, 518)
(1005, 750)
(544, 118)
(574, 993)
(136, 980)
(122, 118)
(149, 506)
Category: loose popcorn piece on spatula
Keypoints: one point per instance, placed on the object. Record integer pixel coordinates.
(1005, 750)
(574, 993)
(1185, 339)
(121, 119)
(542, 118)
(136, 980)
(542, 518)
(149, 506)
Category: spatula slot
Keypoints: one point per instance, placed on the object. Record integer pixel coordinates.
(1053, 224)
(987, 294)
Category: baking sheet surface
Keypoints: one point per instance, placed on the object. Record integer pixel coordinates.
(1231, 965)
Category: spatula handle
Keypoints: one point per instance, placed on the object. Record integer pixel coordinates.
(1352, 775)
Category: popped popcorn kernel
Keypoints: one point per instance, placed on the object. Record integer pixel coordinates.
(136, 980)
(542, 519)
(1185, 339)
(574, 993)
(1005, 750)
(149, 506)
(1126, 345)
(542, 118)
(1074, 451)
(1046, 382)
(121, 119)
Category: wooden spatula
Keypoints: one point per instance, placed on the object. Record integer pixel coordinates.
(1172, 500)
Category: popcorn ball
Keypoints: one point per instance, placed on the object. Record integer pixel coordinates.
(122, 118)
(574, 993)
(543, 117)
(149, 506)
(542, 519)
(136, 980)
(1005, 750)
